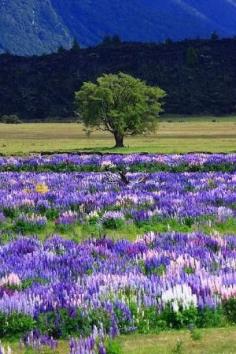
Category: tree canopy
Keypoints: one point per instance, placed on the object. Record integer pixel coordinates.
(119, 104)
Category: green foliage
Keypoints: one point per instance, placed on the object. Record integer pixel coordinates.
(65, 228)
(27, 283)
(198, 85)
(113, 347)
(189, 270)
(15, 324)
(63, 323)
(151, 168)
(113, 223)
(195, 334)
(210, 318)
(119, 104)
(160, 270)
(180, 319)
(51, 214)
(10, 212)
(150, 320)
(24, 227)
(11, 119)
(178, 349)
(98, 316)
(229, 308)
(122, 318)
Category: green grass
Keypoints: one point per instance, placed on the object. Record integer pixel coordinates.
(211, 341)
(81, 232)
(179, 136)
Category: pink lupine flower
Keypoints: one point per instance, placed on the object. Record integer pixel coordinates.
(11, 279)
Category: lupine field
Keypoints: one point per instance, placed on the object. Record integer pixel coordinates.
(97, 246)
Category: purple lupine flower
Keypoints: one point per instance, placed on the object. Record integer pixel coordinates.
(67, 218)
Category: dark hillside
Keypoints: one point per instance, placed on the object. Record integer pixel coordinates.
(198, 75)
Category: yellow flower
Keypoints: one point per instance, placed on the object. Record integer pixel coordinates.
(41, 188)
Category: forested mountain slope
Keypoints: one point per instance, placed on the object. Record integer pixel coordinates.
(198, 75)
(41, 26)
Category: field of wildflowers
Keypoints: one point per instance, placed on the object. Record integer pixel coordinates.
(132, 162)
(54, 286)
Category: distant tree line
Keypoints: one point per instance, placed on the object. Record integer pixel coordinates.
(199, 76)
(10, 119)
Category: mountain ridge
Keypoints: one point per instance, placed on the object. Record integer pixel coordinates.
(41, 26)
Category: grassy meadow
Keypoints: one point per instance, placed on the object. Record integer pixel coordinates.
(208, 341)
(204, 341)
(174, 135)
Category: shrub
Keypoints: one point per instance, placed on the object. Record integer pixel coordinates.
(210, 318)
(61, 323)
(150, 320)
(30, 223)
(64, 323)
(52, 214)
(229, 308)
(10, 119)
(113, 220)
(10, 212)
(15, 324)
(196, 335)
(180, 319)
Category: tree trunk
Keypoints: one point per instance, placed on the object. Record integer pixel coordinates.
(119, 140)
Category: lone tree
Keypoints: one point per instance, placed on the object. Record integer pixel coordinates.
(119, 104)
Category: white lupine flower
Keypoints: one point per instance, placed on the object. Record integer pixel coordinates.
(175, 306)
(92, 214)
(224, 213)
(107, 163)
(179, 295)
